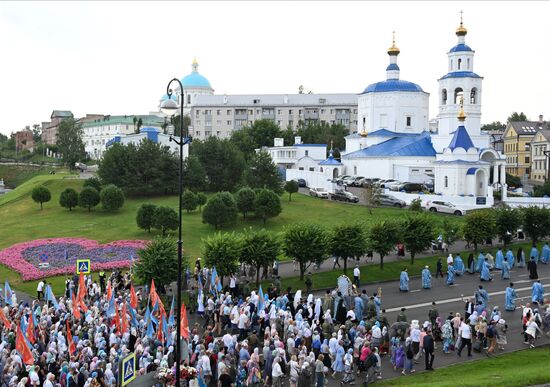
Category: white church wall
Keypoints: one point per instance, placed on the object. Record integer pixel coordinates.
(313, 179)
(468, 202)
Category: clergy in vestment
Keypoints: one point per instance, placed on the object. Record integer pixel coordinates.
(426, 278)
(505, 274)
(459, 266)
(510, 298)
(498, 260)
(404, 281)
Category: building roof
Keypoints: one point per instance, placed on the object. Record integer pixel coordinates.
(195, 80)
(392, 67)
(545, 133)
(173, 97)
(393, 85)
(62, 113)
(419, 145)
(311, 145)
(461, 139)
(330, 160)
(528, 128)
(460, 47)
(461, 74)
(472, 171)
(389, 133)
(238, 100)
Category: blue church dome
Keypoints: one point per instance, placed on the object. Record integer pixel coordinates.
(393, 85)
(195, 80)
(460, 47)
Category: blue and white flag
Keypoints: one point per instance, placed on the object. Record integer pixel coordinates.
(8, 293)
(111, 311)
(261, 302)
(50, 297)
(133, 317)
(171, 319)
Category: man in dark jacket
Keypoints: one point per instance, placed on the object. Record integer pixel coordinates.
(428, 343)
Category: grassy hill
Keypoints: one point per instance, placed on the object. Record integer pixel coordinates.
(15, 175)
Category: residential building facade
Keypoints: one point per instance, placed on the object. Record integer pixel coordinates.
(148, 133)
(517, 140)
(50, 129)
(540, 156)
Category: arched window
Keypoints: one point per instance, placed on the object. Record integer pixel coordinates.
(189, 99)
(446, 181)
(451, 65)
(321, 169)
(459, 93)
(473, 96)
(459, 63)
(444, 97)
(468, 63)
(355, 170)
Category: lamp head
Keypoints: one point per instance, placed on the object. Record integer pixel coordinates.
(169, 107)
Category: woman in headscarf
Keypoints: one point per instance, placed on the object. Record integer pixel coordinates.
(318, 308)
(505, 274)
(458, 265)
(268, 364)
(338, 365)
(293, 368)
(447, 335)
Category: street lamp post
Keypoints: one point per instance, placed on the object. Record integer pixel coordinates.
(170, 107)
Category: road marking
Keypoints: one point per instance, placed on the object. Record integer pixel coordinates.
(450, 300)
(523, 275)
(529, 280)
(414, 291)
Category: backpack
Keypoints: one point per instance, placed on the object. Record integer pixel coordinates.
(370, 361)
(491, 332)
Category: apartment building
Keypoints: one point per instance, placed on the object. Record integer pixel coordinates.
(517, 140)
(540, 155)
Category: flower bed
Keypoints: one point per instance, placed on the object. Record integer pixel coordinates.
(61, 255)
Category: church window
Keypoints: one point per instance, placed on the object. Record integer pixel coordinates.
(311, 169)
(459, 63)
(321, 169)
(409, 119)
(307, 153)
(444, 97)
(355, 169)
(451, 64)
(468, 63)
(188, 99)
(446, 181)
(473, 96)
(459, 93)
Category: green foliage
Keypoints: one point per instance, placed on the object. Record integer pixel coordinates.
(194, 175)
(371, 194)
(382, 238)
(222, 161)
(263, 173)
(158, 261)
(146, 169)
(189, 200)
(416, 205)
(323, 133)
(246, 200)
(513, 181)
(417, 233)
(291, 187)
(306, 243)
(536, 222)
(348, 241)
(220, 210)
(93, 182)
(267, 204)
(222, 250)
(165, 219)
(41, 195)
(69, 141)
(250, 138)
(507, 222)
(542, 190)
(68, 198)
(145, 216)
(112, 197)
(175, 120)
(495, 125)
(201, 200)
(88, 198)
(515, 116)
(451, 233)
(479, 226)
(259, 248)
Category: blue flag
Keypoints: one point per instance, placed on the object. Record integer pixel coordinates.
(164, 328)
(152, 314)
(150, 330)
(133, 317)
(261, 302)
(8, 293)
(50, 297)
(171, 319)
(111, 311)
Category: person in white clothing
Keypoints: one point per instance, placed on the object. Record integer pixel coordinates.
(40, 290)
(356, 274)
(450, 260)
(531, 331)
(277, 372)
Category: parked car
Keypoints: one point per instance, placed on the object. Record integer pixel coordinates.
(301, 182)
(340, 179)
(445, 207)
(391, 185)
(369, 181)
(344, 196)
(357, 182)
(348, 180)
(318, 192)
(390, 200)
(384, 183)
(409, 187)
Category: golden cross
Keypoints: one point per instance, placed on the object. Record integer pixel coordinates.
(393, 37)
(461, 12)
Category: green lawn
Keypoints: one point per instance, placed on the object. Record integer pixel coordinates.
(522, 368)
(15, 175)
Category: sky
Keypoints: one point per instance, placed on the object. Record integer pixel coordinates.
(117, 57)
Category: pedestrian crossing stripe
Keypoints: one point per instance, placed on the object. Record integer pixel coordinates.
(128, 369)
(83, 266)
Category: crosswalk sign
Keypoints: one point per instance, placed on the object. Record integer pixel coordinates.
(83, 266)
(128, 366)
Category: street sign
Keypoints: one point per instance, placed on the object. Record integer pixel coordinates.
(83, 266)
(128, 369)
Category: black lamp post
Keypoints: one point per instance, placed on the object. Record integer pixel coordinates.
(170, 107)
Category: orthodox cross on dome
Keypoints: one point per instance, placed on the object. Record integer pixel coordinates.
(195, 65)
(461, 30)
(393, 50)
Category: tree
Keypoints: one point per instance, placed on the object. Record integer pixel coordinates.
(194, 176)
(220, 210)
(201, 200)
(145, 216)
(88, 198)
(542, 190)
(68, 199)
(263, 173)
(478, 227)
(112, 198)
(291, 187)
(494, 126)
(245, 199)
(165, 219)
(222, 250)
(93, 182)
(451, 233)
(513, 181)
(507, 221)
(158, 261)
(259, 249)
(348, 241)
(36, 133)
(382, 238)
(306, 243)
(189, 200)
(515, 116)
(417, 233)
(267, 204)
(41, 195)
(416, 205)
(260, 134)
(371, 194)
(69, 142)
(536, 222)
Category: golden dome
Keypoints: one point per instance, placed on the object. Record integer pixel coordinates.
(364, 133)
(461, 30)
(195, 61)
(393, 50)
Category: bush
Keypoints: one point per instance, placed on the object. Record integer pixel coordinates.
(189, 201)
(93, 182)
(245, 198)
(201, 200)
(88, 198)
(41, 195)
(165, 219)
(220, 210)
(145, 216)
(291, 187)
(68, 199)
(158, 261)
(112, 198)
(416, 205)
(267, 204)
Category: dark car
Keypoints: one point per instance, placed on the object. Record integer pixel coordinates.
(301, 182)
(410, 187)
(344, 196)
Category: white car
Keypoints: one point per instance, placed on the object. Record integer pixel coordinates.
(444, 207)
(319, 193)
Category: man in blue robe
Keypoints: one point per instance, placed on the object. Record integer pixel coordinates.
(358, 307)
(498, 260)
(535, 254)
(480, 261)
(482, 296)
(511, 298)
(426, 278)
(378, 304)
(485, 275)
(450, 275)
(545, 257)
(505, 274)
(459, 265)
(511, 258)
(404, 281)
(538, 293)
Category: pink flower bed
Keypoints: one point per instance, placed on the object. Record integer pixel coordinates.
(62, 254)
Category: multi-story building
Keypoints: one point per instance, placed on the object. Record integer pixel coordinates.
(24, 141)
(96, 133)
(152, 134)
(517, 140)
(220, 115)
(540, 155)
(50, 129)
